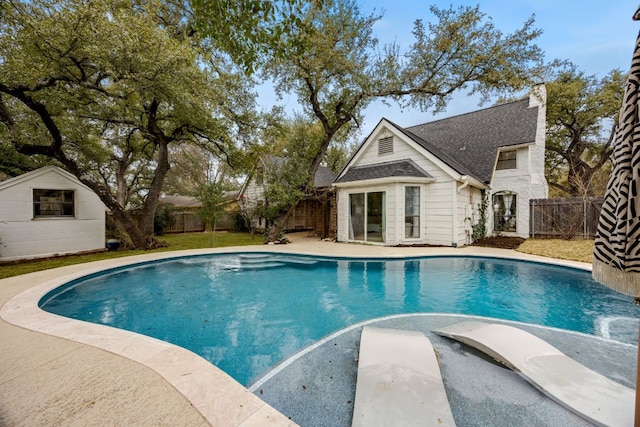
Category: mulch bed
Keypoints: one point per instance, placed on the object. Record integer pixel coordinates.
(501, 242)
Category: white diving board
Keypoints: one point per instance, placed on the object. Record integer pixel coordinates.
(576, 387)
(399, 381)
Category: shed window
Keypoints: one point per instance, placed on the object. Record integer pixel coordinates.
(53, 203)
(385, 145)
(507, 160)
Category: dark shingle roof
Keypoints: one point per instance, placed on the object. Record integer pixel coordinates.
(324, 177)
(469, 142)
(405, 168)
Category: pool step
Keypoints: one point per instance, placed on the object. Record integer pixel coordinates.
(254, 261)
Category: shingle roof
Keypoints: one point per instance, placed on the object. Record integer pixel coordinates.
(469, 142)
(406, 168)
(324, 177)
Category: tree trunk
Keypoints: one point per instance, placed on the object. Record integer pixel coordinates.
(278, 226)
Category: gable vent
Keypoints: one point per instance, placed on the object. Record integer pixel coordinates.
(385, 145)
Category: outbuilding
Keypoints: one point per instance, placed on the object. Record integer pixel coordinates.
(49, 212)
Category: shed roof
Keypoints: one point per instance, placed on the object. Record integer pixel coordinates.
(38, 172)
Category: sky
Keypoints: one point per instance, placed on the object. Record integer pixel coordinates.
(596, 35)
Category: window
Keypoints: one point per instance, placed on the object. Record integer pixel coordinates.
(367, 217)
(507, 160)
(385, 145)
(504, 212)
(412, 212)
(53, 203)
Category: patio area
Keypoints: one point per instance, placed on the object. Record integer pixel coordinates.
(56, 371)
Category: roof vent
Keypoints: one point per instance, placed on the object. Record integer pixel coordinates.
(385, 145)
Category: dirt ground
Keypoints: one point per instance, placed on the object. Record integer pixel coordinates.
(501, 242)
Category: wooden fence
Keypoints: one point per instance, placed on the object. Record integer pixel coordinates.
(564, 218)
(191, 222)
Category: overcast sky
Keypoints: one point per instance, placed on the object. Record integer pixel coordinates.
(596, 35)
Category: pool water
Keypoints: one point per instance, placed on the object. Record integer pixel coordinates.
(247, 312)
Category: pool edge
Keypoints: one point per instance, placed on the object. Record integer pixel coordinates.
(237, 404)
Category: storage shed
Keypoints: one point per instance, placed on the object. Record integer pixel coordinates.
(49, 212)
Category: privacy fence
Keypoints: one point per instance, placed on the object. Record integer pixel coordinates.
(564, 218)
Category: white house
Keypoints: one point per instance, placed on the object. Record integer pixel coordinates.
(49, 212)
(425, 184)
(312, 212)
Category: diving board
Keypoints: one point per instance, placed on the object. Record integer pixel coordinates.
(399, 382)
(573, 385)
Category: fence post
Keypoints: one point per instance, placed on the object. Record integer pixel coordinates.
(532, 219)
(584, 219)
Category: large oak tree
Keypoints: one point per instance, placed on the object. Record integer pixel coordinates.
(106, 89)
(582, 118)
(333, 63)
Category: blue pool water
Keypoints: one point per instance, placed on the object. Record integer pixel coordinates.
(247, 312)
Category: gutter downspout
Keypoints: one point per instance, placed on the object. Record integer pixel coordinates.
(465, 182)
(454, 237)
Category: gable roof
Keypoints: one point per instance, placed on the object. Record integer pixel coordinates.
(469, 143)
(405, 168)
(38, 172)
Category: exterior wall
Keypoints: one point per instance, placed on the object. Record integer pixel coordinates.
(23, 236)
(251, 195)
(528, 180)
(440, 213)
(343, 211)
(469, 200)
(437, 199)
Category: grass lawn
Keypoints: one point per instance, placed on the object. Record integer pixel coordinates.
(576, 250)
(176, 242)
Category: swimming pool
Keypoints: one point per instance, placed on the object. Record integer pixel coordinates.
(246, 312)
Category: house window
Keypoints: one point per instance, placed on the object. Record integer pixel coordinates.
(507, 160)
(412, 212)
(385, 145)
(504, 212)
(53, 203)
(367, 216)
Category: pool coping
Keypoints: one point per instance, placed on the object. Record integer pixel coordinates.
(220, 399)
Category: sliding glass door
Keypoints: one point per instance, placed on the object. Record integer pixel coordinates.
(356, 216)
(367, 213)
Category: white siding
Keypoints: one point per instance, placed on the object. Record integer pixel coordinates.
(436, 198)
(23, 236)
(439, 219)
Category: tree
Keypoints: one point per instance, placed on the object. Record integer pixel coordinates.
(249, 30)
(213, 196)
(106, 88)
(582, 118)
(336, 68)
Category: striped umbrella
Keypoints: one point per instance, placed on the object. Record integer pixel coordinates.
(616, 255)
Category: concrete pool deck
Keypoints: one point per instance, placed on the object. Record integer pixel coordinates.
(57, 371)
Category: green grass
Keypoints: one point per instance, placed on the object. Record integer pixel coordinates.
(175, 242)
